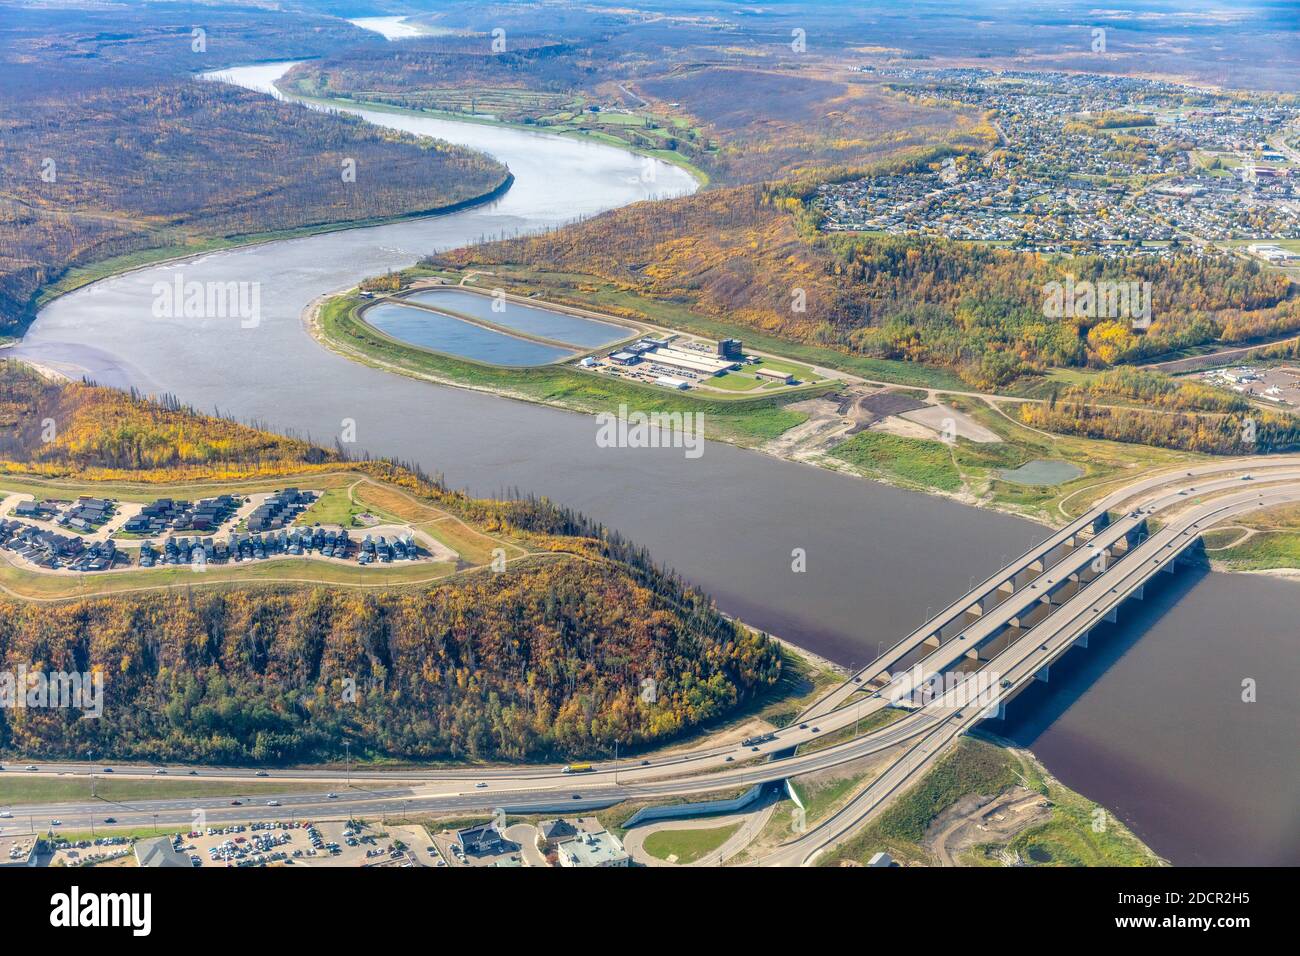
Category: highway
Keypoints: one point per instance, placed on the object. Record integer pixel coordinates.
(1057, 606)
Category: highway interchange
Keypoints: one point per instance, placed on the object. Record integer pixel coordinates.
(1001, 635)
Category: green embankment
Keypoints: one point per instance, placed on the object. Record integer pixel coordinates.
(687, 846)
(743, 420)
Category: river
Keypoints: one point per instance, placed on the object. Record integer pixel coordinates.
(1203, 784)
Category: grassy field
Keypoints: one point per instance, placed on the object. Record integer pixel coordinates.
(334, 506)
(1262, 552)
(688, 845)
(915, 461)
(45, 788)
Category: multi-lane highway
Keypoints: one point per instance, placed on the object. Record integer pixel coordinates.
(997, 638)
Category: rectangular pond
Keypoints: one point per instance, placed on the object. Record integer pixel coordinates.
(445, 333)
(529, 319)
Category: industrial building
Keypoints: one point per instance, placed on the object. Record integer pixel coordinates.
(773, 375)
(696, 362)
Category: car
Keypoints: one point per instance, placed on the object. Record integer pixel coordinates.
(56, 823)
(262, 773)
(480, 785)
(730, 758)
(110, 819)
(817, 730)
(273, 803)
(803, 726)
(236, 803)
(577, 796)
(755, 749)
(6, 815)
(331, 796)
(160, 772)
(645, 763)
(108, 770)
(194, 773)
(31, 768)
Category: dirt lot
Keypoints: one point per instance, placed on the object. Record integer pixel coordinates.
(974, 820)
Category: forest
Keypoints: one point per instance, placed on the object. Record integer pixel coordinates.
(1242, 433)
(550, 659)
(101, 129)
(754, 256)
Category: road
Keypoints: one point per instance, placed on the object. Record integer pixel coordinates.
(1188, 501)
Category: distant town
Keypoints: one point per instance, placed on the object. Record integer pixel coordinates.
(1107, 164)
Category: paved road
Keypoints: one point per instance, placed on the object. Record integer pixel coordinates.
(922, 734)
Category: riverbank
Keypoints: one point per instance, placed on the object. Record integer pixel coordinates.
(76, 277)
(807, 426)
(663, 155)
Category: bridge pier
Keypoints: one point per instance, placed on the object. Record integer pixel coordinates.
(1042, 673)
(1112, 615)
(1140, 593)
(1082, 639)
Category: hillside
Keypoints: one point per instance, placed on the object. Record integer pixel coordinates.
(754, 257)
(100, 129)
(549, 658)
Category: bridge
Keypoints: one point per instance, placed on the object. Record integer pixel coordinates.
(988, 646)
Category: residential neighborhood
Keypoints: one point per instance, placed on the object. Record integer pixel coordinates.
(1111, 165)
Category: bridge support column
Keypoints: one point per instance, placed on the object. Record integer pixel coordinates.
(1112, 615)
(996, 711)
(1169, 567)
(1140, 592)
(1042, 674)
(1082, 639)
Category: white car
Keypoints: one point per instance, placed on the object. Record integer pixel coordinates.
(331, 796)
(273, 803)
(480, 785)
(6, 815)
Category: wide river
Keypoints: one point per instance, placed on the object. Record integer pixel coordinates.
(1149, 721)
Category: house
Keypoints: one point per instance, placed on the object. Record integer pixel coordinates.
(557, 831)
(481, 839)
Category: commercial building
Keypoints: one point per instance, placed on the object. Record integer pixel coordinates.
(667, 381)
(600, 848)
(730, 349)
(697, 362)
(1271, 252)
(773, 375)
(159, 851)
